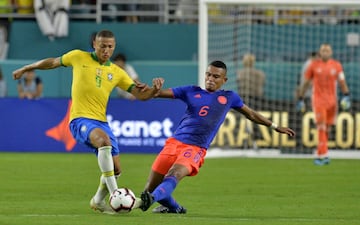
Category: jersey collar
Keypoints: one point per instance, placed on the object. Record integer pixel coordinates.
(94, 56)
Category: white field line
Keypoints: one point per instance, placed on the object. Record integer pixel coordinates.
(275, 153)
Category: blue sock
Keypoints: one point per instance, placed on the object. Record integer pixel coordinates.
(165, 189)
(170, 202)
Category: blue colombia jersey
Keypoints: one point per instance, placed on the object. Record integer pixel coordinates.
(205, 113)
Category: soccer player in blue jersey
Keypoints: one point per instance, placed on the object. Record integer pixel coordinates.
(94, 78)
(184, 152)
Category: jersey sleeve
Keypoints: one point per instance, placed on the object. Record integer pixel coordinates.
(308, 72)
(340, 73)
(126, 83)
(180, 92)
(237, 102)
(69, 57)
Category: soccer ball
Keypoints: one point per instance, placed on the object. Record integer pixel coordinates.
(122, 200)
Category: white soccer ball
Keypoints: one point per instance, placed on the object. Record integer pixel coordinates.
(122, 200)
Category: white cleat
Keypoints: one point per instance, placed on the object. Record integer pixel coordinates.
(138, 203)
(101, 207)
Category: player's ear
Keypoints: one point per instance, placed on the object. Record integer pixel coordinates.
(225, 79)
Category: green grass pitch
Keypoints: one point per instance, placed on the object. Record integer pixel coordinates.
(55, 189)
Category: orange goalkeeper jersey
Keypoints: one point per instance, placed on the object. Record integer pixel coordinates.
(324, 76)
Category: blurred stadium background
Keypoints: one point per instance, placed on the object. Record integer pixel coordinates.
(169, 38)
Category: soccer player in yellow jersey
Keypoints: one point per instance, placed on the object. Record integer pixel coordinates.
(94, 78)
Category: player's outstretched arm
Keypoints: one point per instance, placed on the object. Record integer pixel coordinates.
(44, 64)
(143, 92)
(260, 119)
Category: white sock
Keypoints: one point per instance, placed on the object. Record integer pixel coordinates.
(106, 165)
(102, 190)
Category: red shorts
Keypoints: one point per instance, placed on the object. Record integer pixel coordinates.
(325, 114)
(176, 152)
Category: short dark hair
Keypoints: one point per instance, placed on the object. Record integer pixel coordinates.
(105, 34)
(219, 64)
(92, 37)
(119, 57)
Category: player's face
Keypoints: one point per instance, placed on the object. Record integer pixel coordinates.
(104, 48)
(325, 52)
(214, 78)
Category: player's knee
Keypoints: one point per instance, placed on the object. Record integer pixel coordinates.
(101, 141)
(178, 172)
(99, 138)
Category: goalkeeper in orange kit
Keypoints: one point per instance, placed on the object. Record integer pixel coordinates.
(324, 73)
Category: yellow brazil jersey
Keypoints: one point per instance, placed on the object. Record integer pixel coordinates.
(93, 83)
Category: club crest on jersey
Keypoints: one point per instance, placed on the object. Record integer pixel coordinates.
(110, 76)
(333, 72)
(222, 99)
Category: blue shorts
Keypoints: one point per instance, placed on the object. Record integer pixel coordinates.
(81, 128)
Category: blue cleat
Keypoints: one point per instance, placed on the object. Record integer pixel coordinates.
(318, 162)
(326, 160)
(322, 161)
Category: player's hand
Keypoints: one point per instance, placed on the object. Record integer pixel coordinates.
(286, 130)
(345, 103)
(300, 106)
(17, 74)
(157, 85)
(142, 86)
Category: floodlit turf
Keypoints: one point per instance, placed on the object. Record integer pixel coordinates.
(55, 189)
